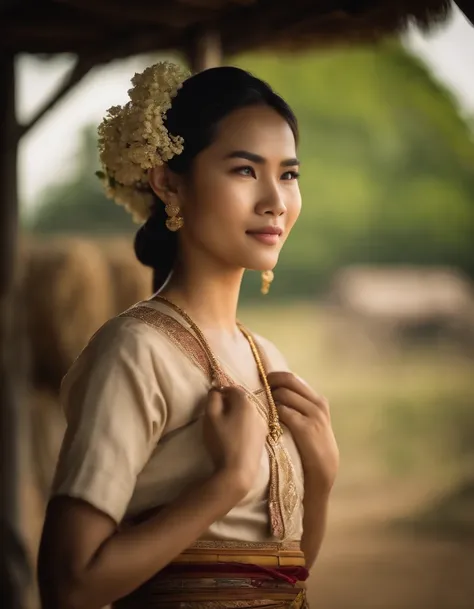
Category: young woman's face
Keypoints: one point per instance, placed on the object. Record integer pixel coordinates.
(242, 199)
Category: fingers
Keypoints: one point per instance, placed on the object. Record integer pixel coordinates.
(291, 381)
(233, 391)
(222, 399)
(287, 415)
(288, 381)
(215, 402)
(234, 394)
(287, 397)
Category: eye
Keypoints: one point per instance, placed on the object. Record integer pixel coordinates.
(246, 170)
(290, 175)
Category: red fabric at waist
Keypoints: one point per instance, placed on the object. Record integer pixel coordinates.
(290, 574)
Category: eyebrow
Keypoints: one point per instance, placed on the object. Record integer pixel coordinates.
(259, 160)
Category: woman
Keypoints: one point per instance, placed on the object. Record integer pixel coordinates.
(180, 479)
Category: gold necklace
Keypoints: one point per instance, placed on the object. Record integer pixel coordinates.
(273, 419)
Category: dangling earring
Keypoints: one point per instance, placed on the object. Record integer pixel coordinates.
(175, 221)
(267, 278)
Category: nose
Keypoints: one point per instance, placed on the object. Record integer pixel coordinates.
(271, 201)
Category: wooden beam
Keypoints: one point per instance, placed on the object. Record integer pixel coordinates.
(15, 574)
(159, 12)
(110, 49)
(216, 4)
(82, 67)
(113, 42)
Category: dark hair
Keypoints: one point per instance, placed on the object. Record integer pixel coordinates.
(202, 102)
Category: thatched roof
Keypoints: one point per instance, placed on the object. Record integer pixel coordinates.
(125, 27)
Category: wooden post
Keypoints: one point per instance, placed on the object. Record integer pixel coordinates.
(13, 562)
(205, 50)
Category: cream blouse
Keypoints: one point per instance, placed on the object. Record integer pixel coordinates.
(133, 402)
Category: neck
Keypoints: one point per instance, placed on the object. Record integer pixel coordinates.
(210, 298)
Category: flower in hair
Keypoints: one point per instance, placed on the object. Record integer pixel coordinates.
(133, 138)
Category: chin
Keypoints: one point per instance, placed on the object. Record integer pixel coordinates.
(267, 264)
(260, 258)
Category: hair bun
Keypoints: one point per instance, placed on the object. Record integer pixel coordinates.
(155, 245)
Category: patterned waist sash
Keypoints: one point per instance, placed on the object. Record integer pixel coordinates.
(227, 576)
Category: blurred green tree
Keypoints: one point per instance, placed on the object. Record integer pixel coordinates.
(387, 174)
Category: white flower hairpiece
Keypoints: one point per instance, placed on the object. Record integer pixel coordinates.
(133, 138)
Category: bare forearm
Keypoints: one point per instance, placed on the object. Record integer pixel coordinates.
(315, 504)
(131, 557)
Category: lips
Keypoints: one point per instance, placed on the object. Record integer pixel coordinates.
(268, 235)
(266, 230)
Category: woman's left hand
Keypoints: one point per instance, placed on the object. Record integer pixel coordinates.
(307, 416)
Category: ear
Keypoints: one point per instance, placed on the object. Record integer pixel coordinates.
(162, 184)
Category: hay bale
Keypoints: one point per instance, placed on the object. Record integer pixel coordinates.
(68, 294)
(131, 281)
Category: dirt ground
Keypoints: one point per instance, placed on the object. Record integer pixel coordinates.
(363, 569)
(367, 563)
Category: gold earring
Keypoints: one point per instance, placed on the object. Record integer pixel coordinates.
(267, 278)
(175, 221)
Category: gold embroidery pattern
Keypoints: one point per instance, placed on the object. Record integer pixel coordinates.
(264, 546)
(175, 331)
(284, 497)
(300, 601)
(283, 494)
(197, 593)
(287, 495)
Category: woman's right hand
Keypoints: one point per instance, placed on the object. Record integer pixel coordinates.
(234, 433)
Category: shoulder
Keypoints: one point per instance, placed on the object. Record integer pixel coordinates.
(119, 336)
(140, 328)
(275, 360)
(126, 342)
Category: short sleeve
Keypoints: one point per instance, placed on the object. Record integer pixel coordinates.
(115, 414)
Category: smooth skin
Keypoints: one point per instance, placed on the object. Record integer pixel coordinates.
(245, 180)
